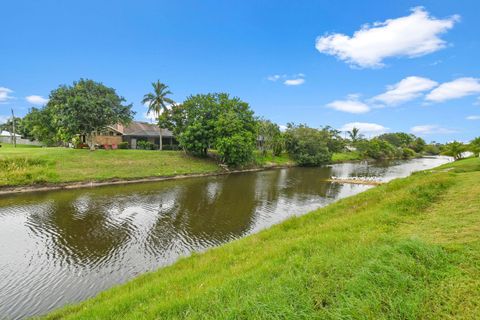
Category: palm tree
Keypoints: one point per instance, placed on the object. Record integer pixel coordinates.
(157, 101)
(354, 134)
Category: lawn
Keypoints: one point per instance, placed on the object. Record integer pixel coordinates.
(409, 249)
(32, 165)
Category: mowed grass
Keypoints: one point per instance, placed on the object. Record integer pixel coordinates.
(409, 249)
(32, 165)
(346, 156)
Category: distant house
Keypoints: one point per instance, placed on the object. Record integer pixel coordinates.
(133, 133)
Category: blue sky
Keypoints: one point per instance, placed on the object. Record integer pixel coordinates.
(384, 66)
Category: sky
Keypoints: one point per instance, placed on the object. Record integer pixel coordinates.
(381, 66)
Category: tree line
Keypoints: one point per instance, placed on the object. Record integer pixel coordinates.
(212, 124)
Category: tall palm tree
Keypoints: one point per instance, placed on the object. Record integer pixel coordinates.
(157, 101)
(354, 134)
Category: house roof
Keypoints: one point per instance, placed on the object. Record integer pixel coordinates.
(144, 129)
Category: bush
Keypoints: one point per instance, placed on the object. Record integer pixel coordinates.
(378, 149)
(146, 145)
(170, 147)
(236, 149)
(408, 153)
(123, 145)
(307, 146)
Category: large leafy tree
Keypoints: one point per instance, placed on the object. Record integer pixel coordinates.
(38, 124)
(158, 102)
(86, 107)
(214, 120)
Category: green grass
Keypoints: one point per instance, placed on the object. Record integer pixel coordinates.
(270, 160)
(32, 165)
(346, 156)
(409, 249)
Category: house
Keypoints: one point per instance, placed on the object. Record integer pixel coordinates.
(132, 133)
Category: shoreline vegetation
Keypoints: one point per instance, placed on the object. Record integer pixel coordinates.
(31, 168)
(407, 249)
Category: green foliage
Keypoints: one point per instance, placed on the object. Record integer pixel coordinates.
(39, 125)
(84, 108)
(408, 153)
(378, 149)
(355, 135)
(475, 146)
(158, 101)
(335, 142)
(432, 149)
(214, 121)
(146, 145)
(404, 140)
(270, 137)
(307, 146)
(455, 149)
(123, 145)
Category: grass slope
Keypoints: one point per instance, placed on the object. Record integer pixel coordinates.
(24, 166)
(409, 249)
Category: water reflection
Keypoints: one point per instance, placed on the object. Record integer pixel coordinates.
(62, 247)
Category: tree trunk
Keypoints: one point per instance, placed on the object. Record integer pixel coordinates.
(90, 141)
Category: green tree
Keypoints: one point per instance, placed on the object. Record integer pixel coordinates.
(354, 134)
(454, 149)
(378, 149)
(269, 137)
(86, 107)
(157, 102)
(307, 146)
(214, 120)
(475, 146)
(39, 125)
(335, 142)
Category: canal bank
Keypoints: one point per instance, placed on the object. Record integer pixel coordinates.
(406, 249)
(65, 246)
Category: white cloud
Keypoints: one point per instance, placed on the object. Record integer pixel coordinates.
(473, 118)
(457, 88)
(350, 105)
(38, 100)
(365, 128)
(5, 94)
(412, 36)
(294, 82)
(275, 77)
(407, 89)
(430, 129)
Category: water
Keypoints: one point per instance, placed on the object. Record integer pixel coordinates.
(62, 247)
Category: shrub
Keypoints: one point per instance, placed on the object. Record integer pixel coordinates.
(408, 153)
(146, 145)
(236, 149)
(123, 145)
(307, 146)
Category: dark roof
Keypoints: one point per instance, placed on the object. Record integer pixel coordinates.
(143, 129)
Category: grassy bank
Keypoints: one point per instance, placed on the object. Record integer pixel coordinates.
(33, 165)
(409, 249)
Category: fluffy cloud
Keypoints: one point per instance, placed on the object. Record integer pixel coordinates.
(457, 88)
(294, 82)
(5, 94)
(365, 128)
(350, 105)
(405, 90)
(473, 118)
(414, 35)
(38, 100)
(430, 129)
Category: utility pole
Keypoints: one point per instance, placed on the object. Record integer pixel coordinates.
(14, 138)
